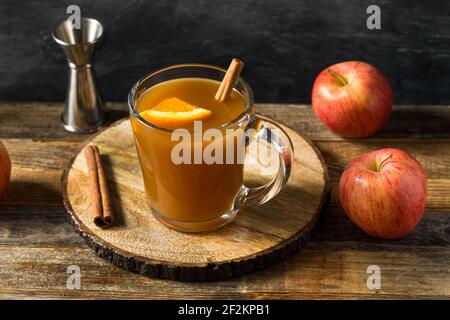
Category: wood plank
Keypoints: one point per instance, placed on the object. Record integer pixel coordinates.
(437, 199)
(334, 226)
(37, 167)
(406, 121)
(323, 270)
(433, 155)
(45, 294)
(41, 120)
(30, 154)
(48, 155)
(36, 225)
(36, 172)
(338, 250)
(31, 188)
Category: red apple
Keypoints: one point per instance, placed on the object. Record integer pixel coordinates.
(384, 193)
(353, 99)
(5, 168)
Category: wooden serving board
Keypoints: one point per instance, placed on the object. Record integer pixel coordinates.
(257, 238)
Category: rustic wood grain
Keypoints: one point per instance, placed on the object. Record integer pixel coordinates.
(258, 237)
(406, 122)
(321, 270)
(37, 243)
(38, 164)
(34, 226)
(42, 121)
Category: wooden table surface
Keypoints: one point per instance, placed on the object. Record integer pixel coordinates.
(37, 244)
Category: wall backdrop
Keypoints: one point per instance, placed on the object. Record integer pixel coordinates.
(284, 44)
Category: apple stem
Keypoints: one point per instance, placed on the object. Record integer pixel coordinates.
(342, 81)
(382, 163)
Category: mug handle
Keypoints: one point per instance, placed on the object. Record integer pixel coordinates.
(267, 130)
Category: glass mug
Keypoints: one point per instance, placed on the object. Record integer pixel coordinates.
(191, 197)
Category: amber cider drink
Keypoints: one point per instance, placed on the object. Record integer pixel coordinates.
(189, 192)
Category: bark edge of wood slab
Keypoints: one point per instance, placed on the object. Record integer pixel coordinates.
(257, 238)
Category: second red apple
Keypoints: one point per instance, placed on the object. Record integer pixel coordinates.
(384, 192)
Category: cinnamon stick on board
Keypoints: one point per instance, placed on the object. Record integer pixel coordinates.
(100, 197)
(229, 80)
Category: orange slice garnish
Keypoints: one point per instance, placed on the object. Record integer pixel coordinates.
(173, 113)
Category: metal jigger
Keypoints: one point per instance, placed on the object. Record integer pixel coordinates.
(84, 110)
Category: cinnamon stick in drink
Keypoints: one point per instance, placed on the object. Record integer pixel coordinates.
(229, 80)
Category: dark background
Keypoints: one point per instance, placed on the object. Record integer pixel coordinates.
(284, 44)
